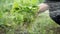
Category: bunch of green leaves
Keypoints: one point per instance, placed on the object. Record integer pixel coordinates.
(18, 12)
(24, 11)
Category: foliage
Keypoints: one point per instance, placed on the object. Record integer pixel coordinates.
(17, 13)
(19, 16)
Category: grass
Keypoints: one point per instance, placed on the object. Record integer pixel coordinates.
(45, 25)
(42, 25)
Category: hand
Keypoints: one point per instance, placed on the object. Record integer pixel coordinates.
(43, 7)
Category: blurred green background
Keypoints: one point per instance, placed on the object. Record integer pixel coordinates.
(43, 24)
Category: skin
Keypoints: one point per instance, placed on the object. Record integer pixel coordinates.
(43, 7)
